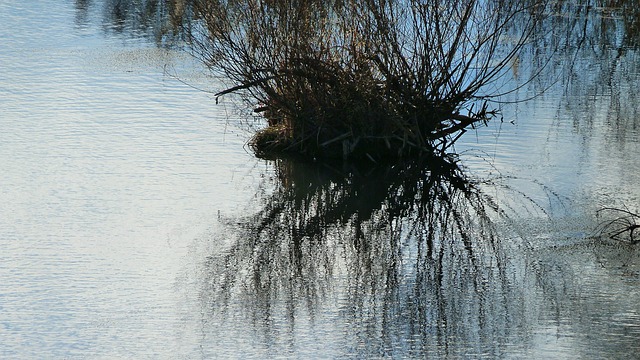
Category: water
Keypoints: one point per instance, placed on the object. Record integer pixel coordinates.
(133, 223)
(110, 168)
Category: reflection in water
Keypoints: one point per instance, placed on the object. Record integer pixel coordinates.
(164, 21)
(594, 48)
(408, 255)
(410, 260)
(82, 12)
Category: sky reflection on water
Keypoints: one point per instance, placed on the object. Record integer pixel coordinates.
(134, 224)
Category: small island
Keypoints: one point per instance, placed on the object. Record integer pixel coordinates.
(363, 79)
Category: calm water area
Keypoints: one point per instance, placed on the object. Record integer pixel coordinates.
(135, 223)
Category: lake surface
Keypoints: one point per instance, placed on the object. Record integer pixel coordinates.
(135, 224)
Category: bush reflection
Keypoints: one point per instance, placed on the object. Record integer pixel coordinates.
(407, 254)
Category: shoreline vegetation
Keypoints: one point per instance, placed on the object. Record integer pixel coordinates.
(373, 79)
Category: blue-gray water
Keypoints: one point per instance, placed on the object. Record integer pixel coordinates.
(127, 199)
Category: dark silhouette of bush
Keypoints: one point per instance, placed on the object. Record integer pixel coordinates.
(363, 79)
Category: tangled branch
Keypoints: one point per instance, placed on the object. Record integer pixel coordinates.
(622, 226)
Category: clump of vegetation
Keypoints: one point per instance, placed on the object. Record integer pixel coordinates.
(362, 79)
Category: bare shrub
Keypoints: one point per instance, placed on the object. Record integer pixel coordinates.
(372, 78)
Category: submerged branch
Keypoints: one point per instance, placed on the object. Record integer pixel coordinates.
(624, 222)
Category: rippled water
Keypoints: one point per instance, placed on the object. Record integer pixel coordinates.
(133, 223)
(110, 168)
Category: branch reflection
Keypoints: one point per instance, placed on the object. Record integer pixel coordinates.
(402, 254)
(164, 21)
